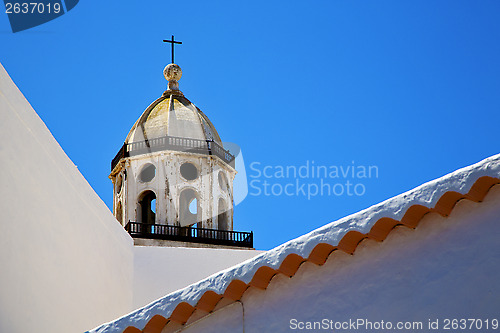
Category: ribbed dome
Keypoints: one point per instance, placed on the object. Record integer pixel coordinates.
(172, 123)
(172, 115)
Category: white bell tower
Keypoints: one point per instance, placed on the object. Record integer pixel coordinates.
(172, 178)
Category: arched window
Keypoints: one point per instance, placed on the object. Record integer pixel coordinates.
(222, 217)
(119, 212)
(146, 208)
(189, 208)
(119, 184)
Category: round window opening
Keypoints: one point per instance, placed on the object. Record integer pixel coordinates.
(147, 174)
(222, 181)
(189, 171)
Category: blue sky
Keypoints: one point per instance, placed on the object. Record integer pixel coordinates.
(410, 87)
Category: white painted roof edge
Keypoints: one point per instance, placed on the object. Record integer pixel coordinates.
(426, 195)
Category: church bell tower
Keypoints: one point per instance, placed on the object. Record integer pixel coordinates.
(173, 179)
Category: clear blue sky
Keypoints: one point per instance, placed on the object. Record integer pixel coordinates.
(411, 87)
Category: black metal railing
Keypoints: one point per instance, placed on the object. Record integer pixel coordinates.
(190, 234)
(207, 147)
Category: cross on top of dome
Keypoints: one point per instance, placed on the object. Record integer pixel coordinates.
(172, 72)
(172, 42)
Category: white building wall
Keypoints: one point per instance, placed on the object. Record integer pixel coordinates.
(66, 264)
(159, 271)
(446, 268)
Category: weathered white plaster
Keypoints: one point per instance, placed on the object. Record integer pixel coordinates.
(168, 185)
(159, 271)
(66, 263)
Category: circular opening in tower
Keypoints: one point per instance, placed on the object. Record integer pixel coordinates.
(189, 171)
(222, 181)
(148, 172)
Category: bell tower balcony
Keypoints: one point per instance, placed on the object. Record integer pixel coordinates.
(190, 235)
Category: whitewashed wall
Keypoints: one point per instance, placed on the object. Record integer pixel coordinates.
(160, 270)
(446, 268)
(66, 264)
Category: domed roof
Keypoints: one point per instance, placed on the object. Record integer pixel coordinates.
(172, 123)
(172, 115)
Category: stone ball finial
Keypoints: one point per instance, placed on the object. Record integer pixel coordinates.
(172, 72)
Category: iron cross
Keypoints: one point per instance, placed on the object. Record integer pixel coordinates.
(172, 42)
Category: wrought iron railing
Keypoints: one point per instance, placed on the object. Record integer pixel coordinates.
(207, 147)
(190, 234)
